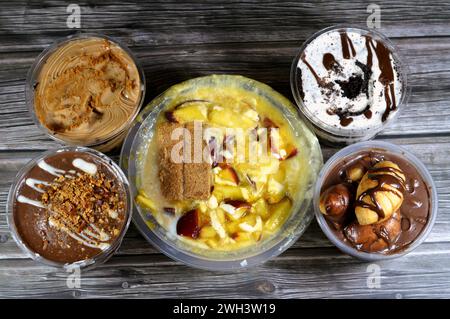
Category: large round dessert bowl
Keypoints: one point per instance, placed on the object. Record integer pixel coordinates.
(229, 202)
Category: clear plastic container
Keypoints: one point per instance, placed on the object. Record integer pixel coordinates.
(104, 255)
(293, 228)
(347, 152)
(339, 136)
(116, 136)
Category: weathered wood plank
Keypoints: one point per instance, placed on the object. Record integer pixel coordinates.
(298, 273)
(191, 22)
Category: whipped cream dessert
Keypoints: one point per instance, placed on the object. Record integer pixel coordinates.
(348, 79)
(88, 90)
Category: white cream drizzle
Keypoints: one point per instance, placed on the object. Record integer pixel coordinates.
(32, 202)
(50, 169)
(86, 167)
(31, 182)
(80, 237)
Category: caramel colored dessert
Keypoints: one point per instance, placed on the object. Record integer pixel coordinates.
(69, 207)
(220, 199)
(375, 202)
(87, 91)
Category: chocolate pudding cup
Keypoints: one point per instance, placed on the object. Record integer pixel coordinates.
(416, 220)
(85, 90)
(349, 83)
(69, 207)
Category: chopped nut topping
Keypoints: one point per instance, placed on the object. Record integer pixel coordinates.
(85, 200)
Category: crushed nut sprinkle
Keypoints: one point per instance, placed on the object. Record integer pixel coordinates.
(77, 202)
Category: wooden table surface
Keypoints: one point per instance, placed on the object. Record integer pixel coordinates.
(178, 40)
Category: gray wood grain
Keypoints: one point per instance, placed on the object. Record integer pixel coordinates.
(177, 40)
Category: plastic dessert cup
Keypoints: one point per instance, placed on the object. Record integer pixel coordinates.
(390, 148)
(103, 255)
(116, 136)
(335, 135)
(167, 243)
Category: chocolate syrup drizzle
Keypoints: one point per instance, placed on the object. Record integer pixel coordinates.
(386, 77)
(387, 73)
(347, 46)
(330, 63)
(389, 179)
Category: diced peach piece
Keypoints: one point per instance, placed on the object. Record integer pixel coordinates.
(207, 232)
(191, 113)
(238, 204)
(261, 208)
(228, 174)
(229, 118)
(189, 224)
(221, 216)
(279, 214)
(233, 227)
(212, 243)
(228, 192)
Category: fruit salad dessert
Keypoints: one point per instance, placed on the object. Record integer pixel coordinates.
(224, 168)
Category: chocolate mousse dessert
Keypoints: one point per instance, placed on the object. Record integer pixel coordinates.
(87, 91)
(375, 201)
(348, 80)
(69, 207)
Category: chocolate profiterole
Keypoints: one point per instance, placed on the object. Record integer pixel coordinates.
(88, 90)
(375, 201)
(69, 207)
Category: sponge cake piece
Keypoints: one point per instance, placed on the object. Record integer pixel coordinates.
(170, 173)
(198, 173)
(187, 180)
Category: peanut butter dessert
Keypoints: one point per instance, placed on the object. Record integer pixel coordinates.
(224, 169)
(376, 202)
(70, 207)
(88, 90)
